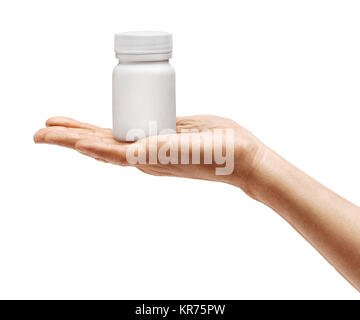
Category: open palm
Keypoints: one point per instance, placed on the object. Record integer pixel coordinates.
(99, 143)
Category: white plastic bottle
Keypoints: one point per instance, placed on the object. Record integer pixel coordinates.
(143, 85)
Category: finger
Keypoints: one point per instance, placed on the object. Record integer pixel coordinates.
(185, 124)
(100, 149)
(39, 136)
(69, 123)
(64, 138)
(67, 137)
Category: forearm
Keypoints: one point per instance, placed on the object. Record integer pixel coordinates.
(329, 222)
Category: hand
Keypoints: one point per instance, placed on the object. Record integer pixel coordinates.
(330, 223)
(99, 143)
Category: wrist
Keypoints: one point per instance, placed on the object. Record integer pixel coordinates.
(272, 179)
(263, 169)
(260, 176)
(250, 156)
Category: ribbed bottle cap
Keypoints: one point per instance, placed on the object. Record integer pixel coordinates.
(143, 42)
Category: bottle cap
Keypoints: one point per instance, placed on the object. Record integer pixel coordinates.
(155, 43)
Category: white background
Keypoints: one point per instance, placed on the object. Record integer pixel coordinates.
(72, 227)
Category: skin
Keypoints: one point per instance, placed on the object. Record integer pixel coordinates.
(329, 222)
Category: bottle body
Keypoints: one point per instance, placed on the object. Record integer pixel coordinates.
(143, 99)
